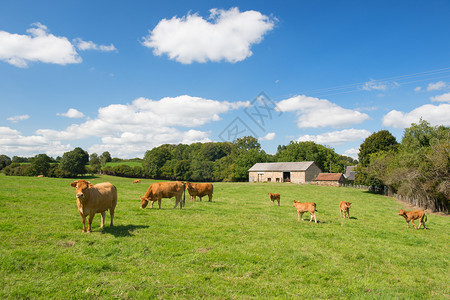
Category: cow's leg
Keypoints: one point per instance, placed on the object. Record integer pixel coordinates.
(315, 220)
(298, 215)
(111, 213)
(348, 214)
(178, 201)
(278, 202)
(312, 214)
(151, 204)
(414, 224)
(83, 218)
(159, 202)
(102, 222)
(407, 224)
(210, 197)
(91, 218)
(200, 198)
(301, 216)
(341, 213)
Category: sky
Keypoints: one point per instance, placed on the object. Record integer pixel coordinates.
(127, 76)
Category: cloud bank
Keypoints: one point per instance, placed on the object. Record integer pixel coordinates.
(227, 35)
(435, 114)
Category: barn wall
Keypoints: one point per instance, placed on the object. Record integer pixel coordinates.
(298, 177)
(312, 172)
(266, 176)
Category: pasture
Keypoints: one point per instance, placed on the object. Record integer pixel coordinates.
(238, 246)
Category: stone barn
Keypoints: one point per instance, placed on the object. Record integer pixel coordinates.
(296, 172)
(330, 179)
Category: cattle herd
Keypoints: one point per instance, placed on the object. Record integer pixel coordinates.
(99, 198)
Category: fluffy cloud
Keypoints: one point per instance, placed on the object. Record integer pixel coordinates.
(131, 129)
(72, 113)
(436, 86)
(314, 112)
(441, 98)
(268, 137)
(435, 114)
(336, 137)
(83, 46)
(38, 45)
(226, 35)
(379, 85)
(16, 119)
(353, 152)
(417, 89)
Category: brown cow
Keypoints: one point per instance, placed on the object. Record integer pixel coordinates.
(274, 197)
(92, 199)
(137, 181)
(304, 207)
(413, 215)
(345, 209)
(158, 190)
(200, 190)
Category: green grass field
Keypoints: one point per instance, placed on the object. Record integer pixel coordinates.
(238, 246)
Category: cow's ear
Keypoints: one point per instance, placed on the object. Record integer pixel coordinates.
(90, 184)
(74, 184)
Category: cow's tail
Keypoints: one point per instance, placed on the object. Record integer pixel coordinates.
(184, 195)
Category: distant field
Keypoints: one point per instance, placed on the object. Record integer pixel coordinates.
(238, 246)
(129, 163)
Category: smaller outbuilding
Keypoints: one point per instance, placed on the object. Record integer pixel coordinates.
(329, 179)
(296, 172)
(350, 173)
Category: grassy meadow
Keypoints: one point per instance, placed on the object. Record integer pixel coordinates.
(238, 246)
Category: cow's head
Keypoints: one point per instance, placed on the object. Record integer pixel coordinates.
(294, 203)
(144, 202)
(401, 212)
(81, 187)
(348, 204)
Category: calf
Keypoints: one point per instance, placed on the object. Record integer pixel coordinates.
(200, 190)
(274, 197)
(345, 209)
(413, 215)
(92, 199)
(304, 207)
(137, 181)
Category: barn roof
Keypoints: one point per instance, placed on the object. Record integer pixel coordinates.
(281, 166)
(329, 176)
(349, 173)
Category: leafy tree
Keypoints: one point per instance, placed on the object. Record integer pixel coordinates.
(105, 157)
(379, 141)
(155, 159)
(4, 161)
(40, 164)
(73, 162)
(246, 143)
(245, 161)
(94, 162)
(18, 159)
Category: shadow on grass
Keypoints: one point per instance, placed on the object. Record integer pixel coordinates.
(353, 218)
(122, 230)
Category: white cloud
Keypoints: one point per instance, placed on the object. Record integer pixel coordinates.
(226, 35)
(336, 137)
(38, 45)
(374, 85)
(16, 119)
(268, 137)
(441, 98)
(353, 152)
(72, 113)
(436, 86)
(83, 46)
(417, 89)
(131, 129)
(435, 114)
(314, 112)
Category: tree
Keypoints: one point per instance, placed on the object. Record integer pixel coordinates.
(4, 161)
(73, 162)
(105, 158)
(94, 162)
(40, 164)
(246, 143)
(379, 141)
(155, 159)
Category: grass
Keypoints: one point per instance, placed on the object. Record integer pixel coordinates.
(128, 163)
(238, 246)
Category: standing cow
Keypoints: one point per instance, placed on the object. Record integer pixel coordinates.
(158, 190)
(304, 207)
(92, 199)
(200, 190)
(274, 197)
(345, 209)
(414, 215)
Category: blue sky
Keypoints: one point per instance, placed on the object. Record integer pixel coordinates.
(126, 76)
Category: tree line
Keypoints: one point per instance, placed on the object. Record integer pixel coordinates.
(417, 167)
(214, 161)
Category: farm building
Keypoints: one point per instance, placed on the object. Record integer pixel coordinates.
(350, 173)
(296, 172)
(331, 179)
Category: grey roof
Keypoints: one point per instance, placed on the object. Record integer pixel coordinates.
(281, 166)
(349, 173)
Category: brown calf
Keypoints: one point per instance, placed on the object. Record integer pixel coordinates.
(345, 209)
(137, 181)
(413, 215)
(274, 197)
(304, 207)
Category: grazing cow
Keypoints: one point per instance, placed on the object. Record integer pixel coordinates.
(274, 197)
(304, 207)
(200, 190)
(137, 181)
(345, 209)
(413, 215)
(158, 190)
(92, 199)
